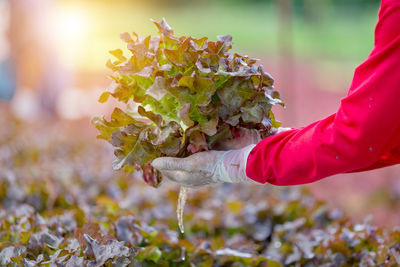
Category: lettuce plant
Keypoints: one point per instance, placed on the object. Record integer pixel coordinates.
(190, 94)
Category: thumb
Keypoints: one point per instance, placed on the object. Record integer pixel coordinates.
(280, 129)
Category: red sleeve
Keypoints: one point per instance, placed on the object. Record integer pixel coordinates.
(363, 134)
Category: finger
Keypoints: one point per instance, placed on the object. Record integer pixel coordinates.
(180, 177)
(168, 163)
(186, 179)
(175, 176)
(282, 129)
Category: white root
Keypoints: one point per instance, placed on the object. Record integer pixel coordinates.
(181, 206)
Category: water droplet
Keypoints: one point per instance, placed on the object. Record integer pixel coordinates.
(371, 99)
(369, 106)
(337, 157)
(370, 148)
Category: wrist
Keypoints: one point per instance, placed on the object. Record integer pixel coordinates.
(231, 165)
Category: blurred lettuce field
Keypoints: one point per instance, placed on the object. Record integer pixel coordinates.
(62, 205)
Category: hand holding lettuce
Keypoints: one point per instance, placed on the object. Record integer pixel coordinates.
(191, 95)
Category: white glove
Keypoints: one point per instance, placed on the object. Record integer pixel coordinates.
(207, 167)
(213, 166)
(280, 129)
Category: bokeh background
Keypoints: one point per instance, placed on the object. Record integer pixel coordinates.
(53, 54)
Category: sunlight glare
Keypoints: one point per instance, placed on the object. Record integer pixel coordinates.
(71, 30)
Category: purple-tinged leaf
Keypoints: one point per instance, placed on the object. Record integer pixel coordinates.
(126, 37)
(102, 253)
(163, 27)
(184, 115)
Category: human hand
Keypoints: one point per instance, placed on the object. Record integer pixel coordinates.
(213, 166)
(207, 167)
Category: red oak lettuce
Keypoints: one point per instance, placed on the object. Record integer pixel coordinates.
(190, 94)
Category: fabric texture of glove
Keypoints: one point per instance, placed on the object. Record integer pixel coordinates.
(207, 167)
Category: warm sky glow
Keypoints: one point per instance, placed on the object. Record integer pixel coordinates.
(71, 29)
(73, 25)
(85, 32)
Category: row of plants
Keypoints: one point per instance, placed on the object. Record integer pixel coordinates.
(62, 205)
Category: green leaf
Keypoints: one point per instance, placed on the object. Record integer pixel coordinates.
(156, 118)
(210, 127)
(235, 93)
(150, 253)
(184, 115)
(104, 97)
(118, 54)
(141, 152)
(275, 123)
(252, 114)
(119, 119)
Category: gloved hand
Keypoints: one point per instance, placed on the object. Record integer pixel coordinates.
(213, 166)
(206, 167)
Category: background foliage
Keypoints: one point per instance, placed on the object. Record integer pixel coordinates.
(61, 204)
